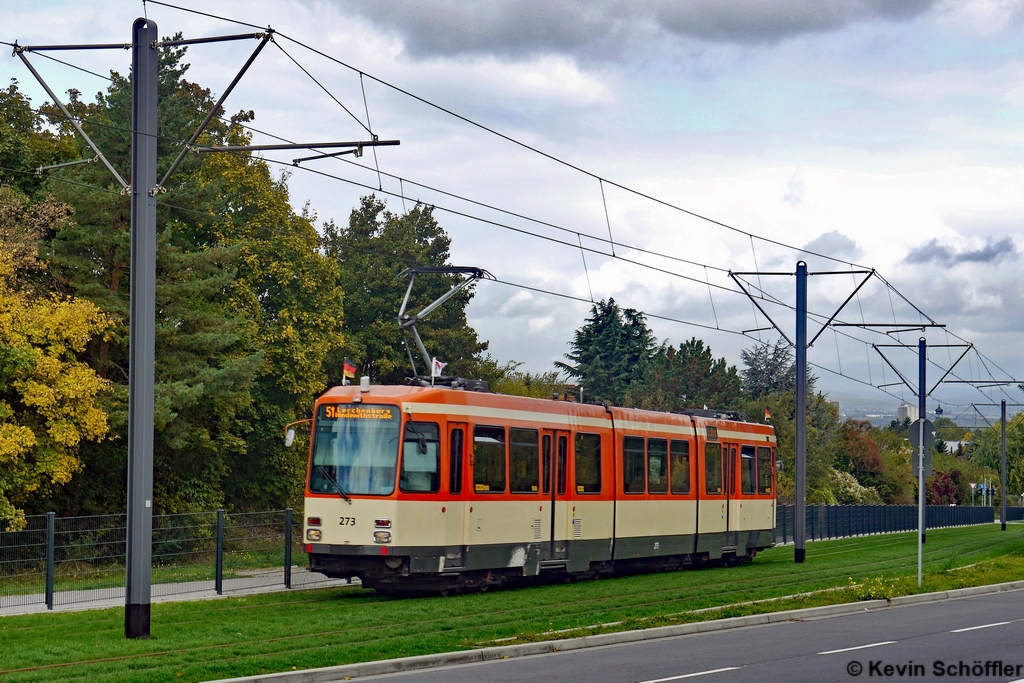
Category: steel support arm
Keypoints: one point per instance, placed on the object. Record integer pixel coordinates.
(213, 110)
(74, 121)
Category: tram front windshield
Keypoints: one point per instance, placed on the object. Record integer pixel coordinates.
(356, 446)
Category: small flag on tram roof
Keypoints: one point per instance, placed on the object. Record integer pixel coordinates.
(436, 367)
(767, 415)
(349, 369)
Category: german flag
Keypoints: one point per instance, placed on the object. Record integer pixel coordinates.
(349, 369)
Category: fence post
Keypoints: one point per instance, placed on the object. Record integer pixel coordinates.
(49, 559)
(218, 578)
(288, 548)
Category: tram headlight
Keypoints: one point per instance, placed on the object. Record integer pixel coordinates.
(313, 534)
(382, 537)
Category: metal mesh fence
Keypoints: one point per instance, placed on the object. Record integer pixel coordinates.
(48, 561)
(22, 561)
(184, 553)
(88, 558)
(843, 521)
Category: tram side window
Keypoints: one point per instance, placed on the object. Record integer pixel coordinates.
(523, 473)
(489, 459)
(764, 469)
(563, 457)
(657, 466)
(545, 475)
(588, 463)
(713, 468)
(455, 462)
(680, 453)
(421, 458)
(632, 464)
(748, 469)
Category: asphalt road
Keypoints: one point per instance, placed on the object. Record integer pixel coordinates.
(924, 639)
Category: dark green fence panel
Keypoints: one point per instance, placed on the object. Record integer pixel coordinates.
(844, 521)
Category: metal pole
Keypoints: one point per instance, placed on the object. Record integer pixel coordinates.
(218, 570)
(1002, 464)
(288, 548)
(142, 331)
(800, 472)
(922, 350)
(49, 559)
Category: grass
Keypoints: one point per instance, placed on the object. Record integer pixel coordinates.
(276, 632)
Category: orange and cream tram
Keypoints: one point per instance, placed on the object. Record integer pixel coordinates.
(421, 488)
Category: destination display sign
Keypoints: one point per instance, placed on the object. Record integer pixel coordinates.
(358, 412)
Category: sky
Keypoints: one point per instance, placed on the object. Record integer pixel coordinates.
(884, 134)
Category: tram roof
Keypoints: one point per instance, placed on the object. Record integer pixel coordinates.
(402, 394)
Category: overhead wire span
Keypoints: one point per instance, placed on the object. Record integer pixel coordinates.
(322, 87)
(607, 220)
(520, 143)
(366, 106)
(508, 138)
(890, 288)
(583, 248)
(586, 271)
(505, 226)
(642, 312)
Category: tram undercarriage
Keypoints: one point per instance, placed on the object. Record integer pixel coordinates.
(423, 573)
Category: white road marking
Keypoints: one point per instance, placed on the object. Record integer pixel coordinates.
(975, 628)
(699, 673)
(859, 647)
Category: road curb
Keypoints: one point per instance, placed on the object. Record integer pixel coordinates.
(402, 664)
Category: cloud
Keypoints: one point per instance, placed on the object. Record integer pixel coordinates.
(755, 21)
(992, 252)
(602, 28)
(795, 189)
(834, 244)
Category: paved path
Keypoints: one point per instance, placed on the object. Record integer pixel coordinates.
(259, 581)
(977, 631)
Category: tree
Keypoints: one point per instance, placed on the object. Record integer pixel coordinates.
(26, 143)
(49, 398)
(248, 309)
(687, 377)
(289, 290)
(610, 352)
(858, 453)
(770, 369)
(370, 253)
(986, 453)
(509, 379)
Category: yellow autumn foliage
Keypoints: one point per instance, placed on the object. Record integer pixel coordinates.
(48, 398)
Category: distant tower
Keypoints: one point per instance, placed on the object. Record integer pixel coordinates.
(906, 411)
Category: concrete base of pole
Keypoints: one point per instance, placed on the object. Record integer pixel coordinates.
(136, 621)
(799, 555)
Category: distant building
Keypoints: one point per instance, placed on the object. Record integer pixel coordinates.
(907, 411)
(838, 409)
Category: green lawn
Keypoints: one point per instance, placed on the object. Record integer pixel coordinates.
(274, 632)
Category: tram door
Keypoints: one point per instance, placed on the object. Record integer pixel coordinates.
(455, 513)
(730, 451)
(554, 470)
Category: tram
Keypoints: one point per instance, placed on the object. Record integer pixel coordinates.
(414, 488)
